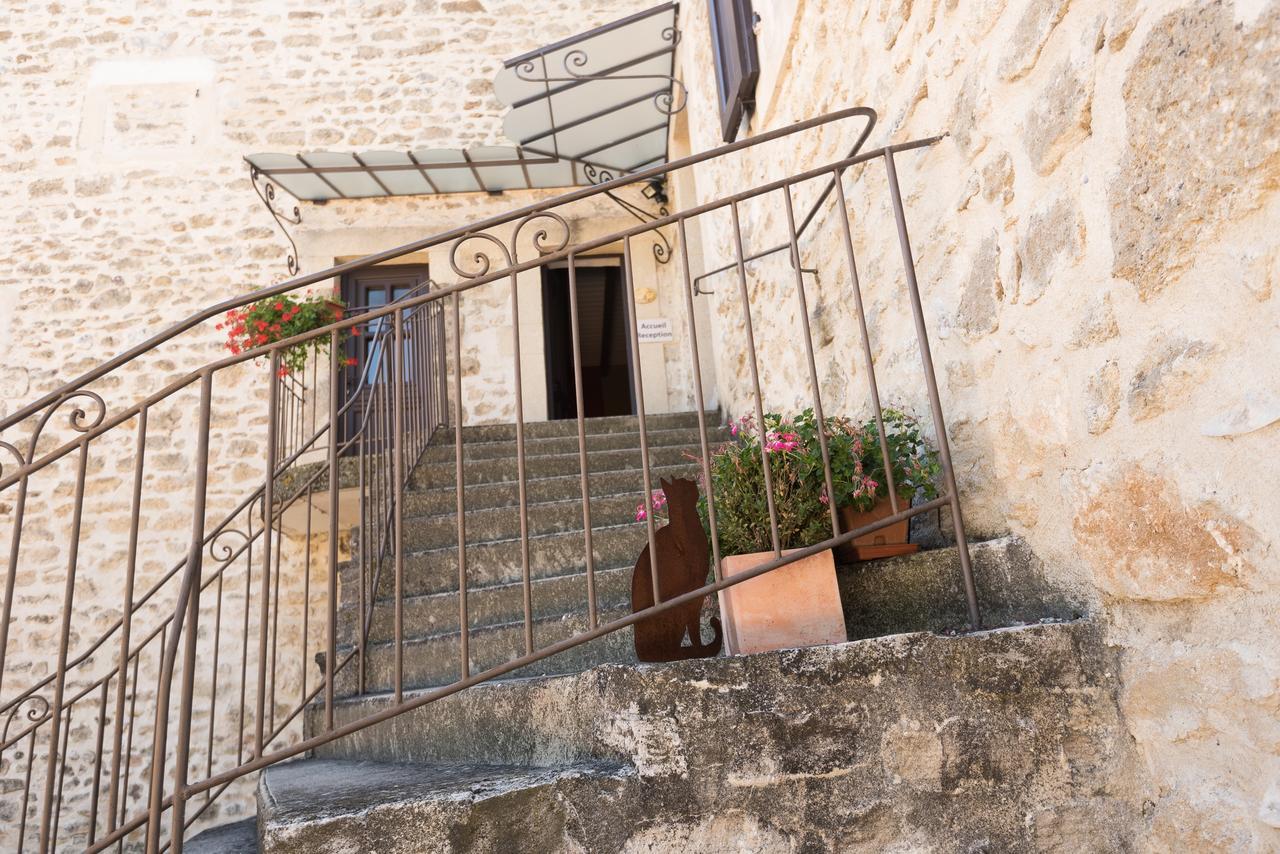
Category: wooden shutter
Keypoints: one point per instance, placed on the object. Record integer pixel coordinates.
(733, 44)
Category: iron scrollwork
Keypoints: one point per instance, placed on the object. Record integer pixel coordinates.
(78, 419)
(662, 249)
(266, 190)
(36, 714)
(669, 101)
(552, 234)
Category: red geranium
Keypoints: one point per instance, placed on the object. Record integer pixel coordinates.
(276, 319)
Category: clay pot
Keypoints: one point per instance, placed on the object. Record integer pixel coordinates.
(890, 541)
(792, 606)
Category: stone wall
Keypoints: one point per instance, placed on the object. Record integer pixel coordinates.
(129, 209)
(1096, 246)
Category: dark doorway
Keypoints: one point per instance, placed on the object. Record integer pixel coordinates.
(603, 342)
(372, 288)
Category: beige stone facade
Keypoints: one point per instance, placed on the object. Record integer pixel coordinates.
(1096, 243)
(1095, 240)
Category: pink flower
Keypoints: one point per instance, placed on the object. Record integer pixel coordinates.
(659, 500)
(782, 442)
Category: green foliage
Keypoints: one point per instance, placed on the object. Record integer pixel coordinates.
(793, 452)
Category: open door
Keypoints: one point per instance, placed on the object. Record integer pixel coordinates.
(604, 345)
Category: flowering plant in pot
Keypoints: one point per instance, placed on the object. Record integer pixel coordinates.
(277, 318)
(797, 604)
(859, 480)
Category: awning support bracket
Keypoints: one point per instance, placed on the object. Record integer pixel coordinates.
(266, 190)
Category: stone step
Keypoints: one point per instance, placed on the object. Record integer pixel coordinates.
(920, 592)
(237, 837)
(569, 427)
(506, 448)
(436, 500)
(854, 747)
(436, 659)
(503, 523)
(427, 475)
(925, 591)
(500, 561)
(327, 805)
(438, 613)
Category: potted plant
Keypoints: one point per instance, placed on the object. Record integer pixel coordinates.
(277, 318)
(859, 480)
(797, 604)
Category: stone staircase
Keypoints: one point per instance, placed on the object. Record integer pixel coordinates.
(557, 553)
(913, 736)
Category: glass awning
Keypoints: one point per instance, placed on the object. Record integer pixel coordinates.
(324, 175)
(585, 109)
(603, 98)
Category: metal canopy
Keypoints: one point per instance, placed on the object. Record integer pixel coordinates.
(323, 175)
(604, 97)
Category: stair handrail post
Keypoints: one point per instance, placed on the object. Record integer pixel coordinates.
(931, 383)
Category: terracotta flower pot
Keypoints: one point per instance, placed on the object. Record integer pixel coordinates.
(886, 542)
(793, 606)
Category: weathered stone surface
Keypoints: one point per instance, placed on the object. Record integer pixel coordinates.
(1145, 542)
(1038, 20)
(997, 179)
(1053, 242)
(1169, 370)
(1269, 808)
(1201, 138)
(854, 747)
(1102, 398)
(1097, 325)
(1061, 118)
(981, 292)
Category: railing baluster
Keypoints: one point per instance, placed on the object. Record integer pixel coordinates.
(275, 619)
(460, 489)
(362, 635)
(244, 635)
(755, 377)
(637, 378)
(306, 589)
(126, 625)
(584, 473)
(26, 788)
(213, 677)
(128, 750)
(68, 602)
(397, 481)
(268, 509)
(96, 790)
(62, 778)
(868, 359)
(331, 618)
(931, 383)
(699, 400)
(520, 471)
(807, 337)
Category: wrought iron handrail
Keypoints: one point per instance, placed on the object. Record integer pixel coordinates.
(418, 355)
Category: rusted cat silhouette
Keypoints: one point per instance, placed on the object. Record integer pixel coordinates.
(682, 566)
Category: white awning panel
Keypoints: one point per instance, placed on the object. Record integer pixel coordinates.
(603, 98)
(323, 175)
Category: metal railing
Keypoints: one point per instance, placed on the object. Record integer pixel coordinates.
(198, 681)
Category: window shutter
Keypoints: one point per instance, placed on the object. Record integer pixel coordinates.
(733, 45)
